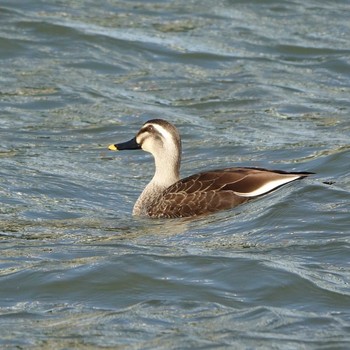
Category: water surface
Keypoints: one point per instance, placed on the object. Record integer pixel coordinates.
(257, 83)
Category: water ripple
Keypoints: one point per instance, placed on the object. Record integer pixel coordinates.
(256, 83)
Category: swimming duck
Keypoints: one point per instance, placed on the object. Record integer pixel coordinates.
(168, 196)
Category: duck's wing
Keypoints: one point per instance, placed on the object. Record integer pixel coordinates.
(253, 182)
(215, 190)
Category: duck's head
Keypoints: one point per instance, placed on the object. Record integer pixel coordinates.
(162, 140)
(156, 136)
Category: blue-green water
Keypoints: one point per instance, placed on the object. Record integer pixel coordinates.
(256, 83)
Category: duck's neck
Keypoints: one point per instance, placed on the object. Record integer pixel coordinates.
(167, 172)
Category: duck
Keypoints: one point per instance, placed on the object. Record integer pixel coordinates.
(168, 196)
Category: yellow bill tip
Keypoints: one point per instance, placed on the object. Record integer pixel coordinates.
(112, 148)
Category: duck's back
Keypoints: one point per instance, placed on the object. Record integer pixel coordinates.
(216, 190)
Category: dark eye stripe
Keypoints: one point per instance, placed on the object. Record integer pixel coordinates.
(147, 128)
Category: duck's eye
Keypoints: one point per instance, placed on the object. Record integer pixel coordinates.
(150, 128)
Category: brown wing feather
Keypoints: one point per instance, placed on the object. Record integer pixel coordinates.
(175, 205)
(213, 190)
(251, 179)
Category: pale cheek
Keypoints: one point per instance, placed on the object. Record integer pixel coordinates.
(139, 139)
(146, 146)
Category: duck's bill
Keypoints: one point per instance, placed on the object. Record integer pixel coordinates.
(132, 144)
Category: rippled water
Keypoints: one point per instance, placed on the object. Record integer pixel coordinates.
(259, 83)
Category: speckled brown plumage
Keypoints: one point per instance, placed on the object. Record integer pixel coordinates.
(212, 191)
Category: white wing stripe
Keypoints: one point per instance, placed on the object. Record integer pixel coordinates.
(267, 187)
